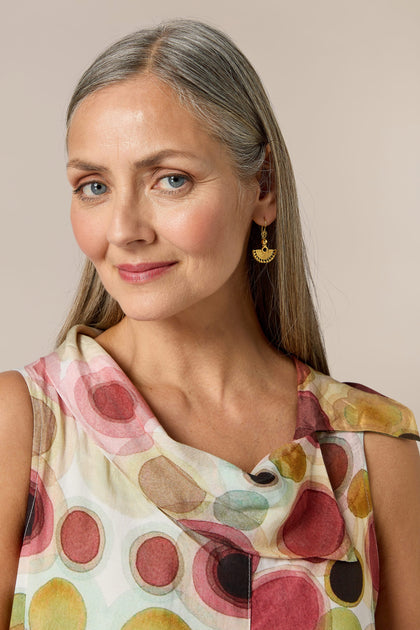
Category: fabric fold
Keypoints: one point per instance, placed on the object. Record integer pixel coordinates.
(125, 517)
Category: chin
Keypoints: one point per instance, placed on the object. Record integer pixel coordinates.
(174, 300)
(152, 309)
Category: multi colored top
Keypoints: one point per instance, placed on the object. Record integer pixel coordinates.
(128, 529)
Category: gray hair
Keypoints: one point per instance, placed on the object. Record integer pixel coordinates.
(215, 80)
(208, 73)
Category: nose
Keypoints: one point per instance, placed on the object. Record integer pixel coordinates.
(130, 221)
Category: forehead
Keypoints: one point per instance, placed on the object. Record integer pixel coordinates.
(143, 92)
(142, 110)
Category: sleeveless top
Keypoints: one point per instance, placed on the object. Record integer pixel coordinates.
(128, 529)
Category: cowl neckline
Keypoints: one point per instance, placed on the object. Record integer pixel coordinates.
(286, 507)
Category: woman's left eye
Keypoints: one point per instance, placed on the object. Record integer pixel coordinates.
(173, 182)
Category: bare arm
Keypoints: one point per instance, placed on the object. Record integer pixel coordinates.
(394, 472)
(16, 423)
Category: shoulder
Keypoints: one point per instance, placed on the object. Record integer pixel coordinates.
(354, 407)
(375, 412)
(15, 462)
(16, 417)
(16, 422)
(394, 479)
(394, 468)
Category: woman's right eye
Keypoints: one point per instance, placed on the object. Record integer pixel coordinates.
(91, 190)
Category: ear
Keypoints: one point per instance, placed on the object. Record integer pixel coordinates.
(265, 206)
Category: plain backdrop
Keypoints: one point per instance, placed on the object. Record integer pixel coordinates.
(343, 80)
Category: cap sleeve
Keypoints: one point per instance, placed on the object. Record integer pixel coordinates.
(369, 410)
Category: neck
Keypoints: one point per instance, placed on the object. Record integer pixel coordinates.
(207, 347)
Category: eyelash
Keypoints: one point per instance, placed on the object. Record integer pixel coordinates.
(79, 190)
(181, 175)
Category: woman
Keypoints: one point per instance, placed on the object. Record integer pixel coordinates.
(194, 466)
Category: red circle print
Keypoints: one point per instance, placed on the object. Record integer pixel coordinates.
(285, 601)
(157, 561)
(315, 528)
(80, 537)
(336, 463)
(113, 401)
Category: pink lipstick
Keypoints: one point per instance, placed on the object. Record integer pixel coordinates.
(143, 272)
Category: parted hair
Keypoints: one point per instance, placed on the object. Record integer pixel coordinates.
(217, 83)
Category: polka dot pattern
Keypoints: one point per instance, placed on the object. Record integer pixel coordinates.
(169, 487)
(221, 578)
(315, 527)
(113, 402)
(345, 582)
(359, 495)
(128, 529)
(336, 461)
(312, 416)
(80, 539)
(150, 568)
(39, 518)
(241, 509)
(290, 461)
(17, 618)
(156, 563)
(340, 619)
(57, 604)
(286, 599)
(107, 407)
(43, 435)
(156, 619)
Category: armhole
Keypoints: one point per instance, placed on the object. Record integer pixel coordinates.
(366, 487)
(371, 546)
(37, 430)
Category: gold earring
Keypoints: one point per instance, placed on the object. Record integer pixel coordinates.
(264, 255)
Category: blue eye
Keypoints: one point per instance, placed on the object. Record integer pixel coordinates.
(174, 181)
(93, 189)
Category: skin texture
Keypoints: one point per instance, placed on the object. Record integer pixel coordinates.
(201, 225)
(190, 340)
(195, 324)
(394, 473)
(15, 464)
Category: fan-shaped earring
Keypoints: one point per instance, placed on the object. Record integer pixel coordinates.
(264, 255)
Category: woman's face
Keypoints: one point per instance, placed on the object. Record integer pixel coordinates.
(157, 206)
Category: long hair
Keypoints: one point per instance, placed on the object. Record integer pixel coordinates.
(217, 83)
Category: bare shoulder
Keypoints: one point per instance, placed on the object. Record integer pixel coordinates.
(16, 427)
(16, 417)
(14, 393)
(394, 474)
(394, 463)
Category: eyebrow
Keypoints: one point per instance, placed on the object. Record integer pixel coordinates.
(151, 160)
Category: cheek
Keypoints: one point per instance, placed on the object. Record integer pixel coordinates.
(205, 229)
(88, 235)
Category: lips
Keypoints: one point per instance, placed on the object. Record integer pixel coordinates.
(144, 266)
(144, 272)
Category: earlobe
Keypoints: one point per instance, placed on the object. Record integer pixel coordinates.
(265, 211)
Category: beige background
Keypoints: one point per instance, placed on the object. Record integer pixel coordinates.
(343, 79)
